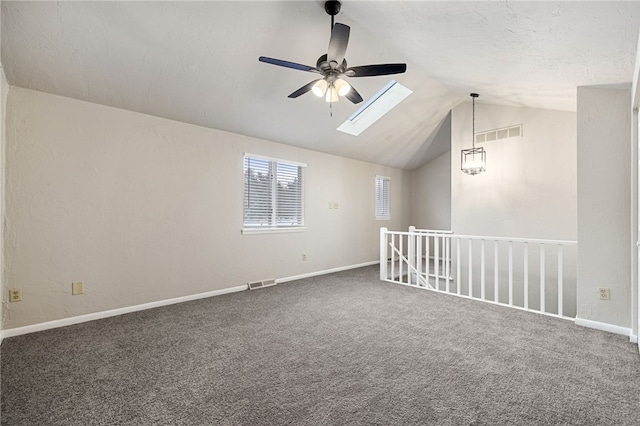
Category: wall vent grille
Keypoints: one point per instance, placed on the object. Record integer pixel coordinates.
(497, 134)
(254, 285)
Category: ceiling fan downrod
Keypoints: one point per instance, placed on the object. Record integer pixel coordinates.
(332, 7)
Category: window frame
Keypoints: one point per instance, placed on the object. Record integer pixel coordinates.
(273, 226)
(385, 214)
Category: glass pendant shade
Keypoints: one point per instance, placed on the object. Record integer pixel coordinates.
(332, 94)
(342, 86)
(320, 88)
(473, 161)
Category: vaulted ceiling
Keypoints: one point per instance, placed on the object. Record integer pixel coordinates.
(197, 62)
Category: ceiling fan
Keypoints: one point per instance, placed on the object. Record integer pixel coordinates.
(333, 66)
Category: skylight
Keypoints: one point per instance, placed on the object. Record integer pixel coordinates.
(385, 100)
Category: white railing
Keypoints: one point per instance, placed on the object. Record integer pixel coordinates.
(530, 274)
(436, 247)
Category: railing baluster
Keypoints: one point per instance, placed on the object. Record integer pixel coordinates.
(482, 289)
(510, 273)
(393, 257)
(470, 270)
(458, 265)
(542, 281)
(411, 255)
(419, 260)
(427, 249)
(526, 276)
(436, 261)
(495, 272)
(560, 275)
(400, 257)
(447, 265)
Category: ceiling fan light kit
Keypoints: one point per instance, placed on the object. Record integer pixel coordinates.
(333, 66)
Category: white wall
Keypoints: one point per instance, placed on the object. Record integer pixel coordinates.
(431, 194)
(144, 209)
(604, 131)
(4, 90)
(529, 188)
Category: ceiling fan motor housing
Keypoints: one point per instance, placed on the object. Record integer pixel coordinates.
(332, 7)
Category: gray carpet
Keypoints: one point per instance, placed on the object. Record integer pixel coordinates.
(342, 349)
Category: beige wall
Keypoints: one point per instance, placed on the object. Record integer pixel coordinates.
(529, 189)
(431, 194)
(604, 225)
(144, 209)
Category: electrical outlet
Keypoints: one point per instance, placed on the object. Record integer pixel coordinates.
(77, 288)
(604, 293)
(304, 257)
(15, 295)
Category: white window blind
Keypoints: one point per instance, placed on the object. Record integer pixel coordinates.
(383, 185)
(273, 193)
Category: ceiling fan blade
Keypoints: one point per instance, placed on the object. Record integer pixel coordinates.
(287, 64)
(338, 43)
(304, 89)
(353, 95)
(373, 70)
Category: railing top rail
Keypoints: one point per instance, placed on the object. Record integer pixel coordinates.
(514, 240)
(401, 233)
(432, 231)
(480, 237)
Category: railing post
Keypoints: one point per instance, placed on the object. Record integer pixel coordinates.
(412, 253)
(383, 253)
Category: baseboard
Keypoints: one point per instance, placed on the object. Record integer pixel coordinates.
(326, 271)
(633, 338)
(10, 332)
(606, 327)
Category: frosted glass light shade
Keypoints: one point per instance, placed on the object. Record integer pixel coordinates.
(332, 94)
(320, 88)
(342, 86)
(473, 161)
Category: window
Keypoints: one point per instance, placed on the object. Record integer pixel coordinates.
(273, 193)
(382, 197)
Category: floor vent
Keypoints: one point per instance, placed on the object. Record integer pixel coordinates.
(497, 134)
(261, 284)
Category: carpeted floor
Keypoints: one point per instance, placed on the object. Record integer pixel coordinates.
(341, 349)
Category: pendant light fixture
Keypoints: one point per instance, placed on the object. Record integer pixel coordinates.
(473, 160)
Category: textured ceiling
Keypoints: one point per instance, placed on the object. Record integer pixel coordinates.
(197, 62)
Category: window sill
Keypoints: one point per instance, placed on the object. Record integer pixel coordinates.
(249, 231)
(383, 217)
